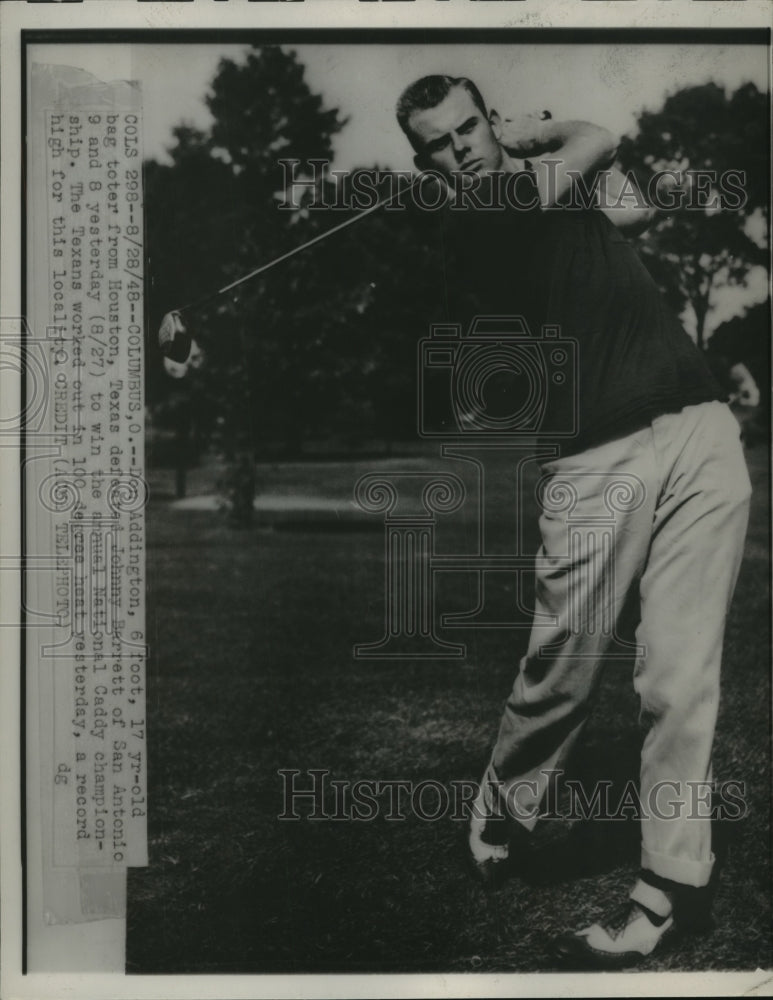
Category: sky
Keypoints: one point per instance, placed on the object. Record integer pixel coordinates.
(606, 84)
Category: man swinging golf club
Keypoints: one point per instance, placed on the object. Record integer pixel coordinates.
(649, 414)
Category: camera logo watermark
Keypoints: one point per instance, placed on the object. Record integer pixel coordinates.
(498, 396)
(96, 553)
(498, 379)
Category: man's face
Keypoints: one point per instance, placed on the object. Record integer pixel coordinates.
(455, 135)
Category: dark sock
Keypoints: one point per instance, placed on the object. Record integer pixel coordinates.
(692, 906)
(654, 918)
(658, 882)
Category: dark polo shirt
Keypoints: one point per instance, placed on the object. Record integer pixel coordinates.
(574, 270)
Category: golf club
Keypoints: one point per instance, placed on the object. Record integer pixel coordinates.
(175, 341)
(173, 337)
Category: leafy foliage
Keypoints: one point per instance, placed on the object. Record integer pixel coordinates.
(322, 345)
(694, 252)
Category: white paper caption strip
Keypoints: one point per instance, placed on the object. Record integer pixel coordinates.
(86, 496)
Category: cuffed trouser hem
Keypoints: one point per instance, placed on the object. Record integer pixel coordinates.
(503, 798)
(682, 870)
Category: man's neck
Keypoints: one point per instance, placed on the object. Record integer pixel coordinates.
(510, 165)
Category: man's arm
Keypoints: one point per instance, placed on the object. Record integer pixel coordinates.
(559, 152)
(621, 200)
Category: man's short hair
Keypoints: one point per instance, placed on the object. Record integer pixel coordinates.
(428, 92)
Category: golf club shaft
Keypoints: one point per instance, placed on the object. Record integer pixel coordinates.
(303, 246)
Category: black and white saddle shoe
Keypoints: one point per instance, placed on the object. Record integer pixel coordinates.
(640, 927)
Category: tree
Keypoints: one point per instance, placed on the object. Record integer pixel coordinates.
(694, 252)
(213, 216)
(310, 348)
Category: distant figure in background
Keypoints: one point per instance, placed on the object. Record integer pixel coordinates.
(746, 392)
(744, 396)
(746, 404)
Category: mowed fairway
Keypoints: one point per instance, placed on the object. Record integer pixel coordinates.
(252, 671)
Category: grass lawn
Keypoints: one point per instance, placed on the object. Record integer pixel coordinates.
(252, 671)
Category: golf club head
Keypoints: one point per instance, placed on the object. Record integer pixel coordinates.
(179, 369)
(173, 338)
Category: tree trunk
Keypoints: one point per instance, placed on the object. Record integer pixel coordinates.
(180, 481)
(293, 444)
(701, 307)
(182, 449)
(699, 328)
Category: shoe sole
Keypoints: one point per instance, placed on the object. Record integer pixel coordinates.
(574, 952)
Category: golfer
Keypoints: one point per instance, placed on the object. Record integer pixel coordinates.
(652, 421)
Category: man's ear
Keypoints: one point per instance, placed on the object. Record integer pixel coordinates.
(496, 124)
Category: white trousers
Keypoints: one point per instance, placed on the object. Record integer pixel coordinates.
(661, 513)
